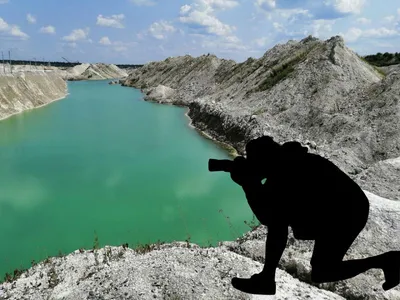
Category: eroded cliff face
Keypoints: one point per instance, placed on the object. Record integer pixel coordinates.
(316, 92)
(27, 90)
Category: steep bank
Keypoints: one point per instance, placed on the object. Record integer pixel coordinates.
(317, 92)
(27, 90)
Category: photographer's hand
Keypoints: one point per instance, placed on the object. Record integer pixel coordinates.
(239, 172)
(242, 173)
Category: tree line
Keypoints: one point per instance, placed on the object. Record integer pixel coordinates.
(383, 59)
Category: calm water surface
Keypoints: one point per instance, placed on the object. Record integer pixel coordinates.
(104, 162)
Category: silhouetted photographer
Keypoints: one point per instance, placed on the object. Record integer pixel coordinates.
(316, 199)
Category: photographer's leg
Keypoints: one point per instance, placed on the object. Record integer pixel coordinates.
(328, 265)
(264, 282)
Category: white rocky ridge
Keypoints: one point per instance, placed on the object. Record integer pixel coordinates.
(311, 90)
(94, 72)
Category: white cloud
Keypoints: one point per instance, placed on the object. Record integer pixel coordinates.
(31, 19)
(48, 29)
(219, 4)
(72, 45)
(347, 6)
(143, 2)
(389, 19)
(3, 25)
(322, 27)
(113, 21)
(363, 21)
(159, 29)
(293, 13)
(266, 5)
(226, 44)
(380, 32)
(140, 35)
(261, 42)
(117, 46)
(201, 15)
(105, 41)
(353, 34)
(209, 22)
(271, 11)
(185, 9)
(120, 48)
(77, 35)
(278, 27)
(3, 1)
(15, 31)
(12, 30)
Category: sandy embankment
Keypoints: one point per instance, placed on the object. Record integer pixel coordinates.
(28, 90)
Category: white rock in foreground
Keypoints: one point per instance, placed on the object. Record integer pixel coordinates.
(171, 271)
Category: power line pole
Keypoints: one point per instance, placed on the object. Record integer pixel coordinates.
(9, 58)
(4, 66)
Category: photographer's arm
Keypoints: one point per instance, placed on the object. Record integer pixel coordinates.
(253, 189)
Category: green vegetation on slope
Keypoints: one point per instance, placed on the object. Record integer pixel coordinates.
(280, 72)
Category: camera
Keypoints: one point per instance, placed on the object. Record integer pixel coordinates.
(218, 165)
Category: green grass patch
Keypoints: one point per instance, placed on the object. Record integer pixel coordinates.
(376, 68)
(253, 224)
(281, 72)
(259, 111)
(379, 70)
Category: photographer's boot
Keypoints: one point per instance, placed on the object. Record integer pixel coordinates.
(256, 284)
(391, 269)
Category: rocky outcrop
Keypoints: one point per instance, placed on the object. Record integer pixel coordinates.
(94, 72)
(311, 90)
(27, 90)
(161, 94)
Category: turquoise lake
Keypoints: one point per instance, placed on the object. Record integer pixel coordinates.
(103, 162)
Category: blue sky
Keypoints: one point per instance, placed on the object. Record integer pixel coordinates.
(139, 31)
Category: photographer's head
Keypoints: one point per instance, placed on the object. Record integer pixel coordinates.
(262, 153)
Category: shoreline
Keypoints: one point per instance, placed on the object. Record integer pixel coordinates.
(50, 102)
(30, 109)
(65, 94)
(231, 151)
